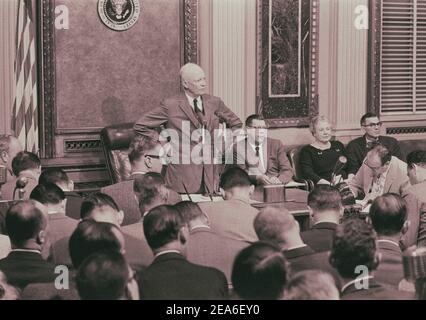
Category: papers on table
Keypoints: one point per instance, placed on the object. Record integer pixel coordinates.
(196, 197)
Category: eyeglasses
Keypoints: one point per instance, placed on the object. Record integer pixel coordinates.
(152, 156)
(371, 125)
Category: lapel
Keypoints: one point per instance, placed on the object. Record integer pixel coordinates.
(187, 109)
(390, 177)
(208, 111)
(367, 177)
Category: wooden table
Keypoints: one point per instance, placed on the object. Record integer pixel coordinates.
(295, 202)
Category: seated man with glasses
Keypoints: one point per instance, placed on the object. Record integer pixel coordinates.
(263, 158)
(357, 149)
(380, 173)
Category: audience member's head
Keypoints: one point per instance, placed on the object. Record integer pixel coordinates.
(378, 159)
(371, 125)
(311, 285)
(90, 237)
(388, 215)
(256, 129)
(102, 208)
(192, 214)
(51, 196)
(320, 128)
(26, 224)
(58, 177)
(150, 190)
(105, 275)
(165, 229)
(325, 204)
(235, 183)
(145, 156)
(7, 292)
(25, 161)
(277, 226)
(193, 80)
(416, 166)
(354, 245)
(260, 272)
(9, 148)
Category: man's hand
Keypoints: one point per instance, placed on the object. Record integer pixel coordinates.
(275, 180)
(263, 179)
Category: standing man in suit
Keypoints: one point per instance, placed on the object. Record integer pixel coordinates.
(380, 173)
(233, 218)
(171, 276)
(326, 209)
(262, 157)
(26, 168)
(27, 224)
(416, 199)
(357, 149)
(355, 257)
(388, 215)
(182, 115)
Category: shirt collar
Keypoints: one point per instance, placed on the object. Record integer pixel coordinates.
(167, 251)
(191, 101)
(355, 280)
(389, 241)
(26, 250)
(296, 247)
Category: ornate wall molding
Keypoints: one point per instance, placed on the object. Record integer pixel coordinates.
(190, 31)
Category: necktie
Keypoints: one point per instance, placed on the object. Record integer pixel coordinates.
(198, 112)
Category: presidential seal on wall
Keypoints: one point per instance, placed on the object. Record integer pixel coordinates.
(119, 15)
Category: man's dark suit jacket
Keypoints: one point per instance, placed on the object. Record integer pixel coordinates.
(320, 236)
(390, 270)
(357, 150)
(172, 113)
(172, 277)
(415, 196)
(22, 268)
(297, 252)
(375, 291)
(73, 207)
(274, 155)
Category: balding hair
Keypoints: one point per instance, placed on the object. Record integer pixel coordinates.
(187, 68)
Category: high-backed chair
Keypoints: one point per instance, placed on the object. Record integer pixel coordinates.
(293, 155)
(115, 143)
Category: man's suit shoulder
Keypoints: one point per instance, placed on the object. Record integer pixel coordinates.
(388, 140)
(117, 186)
(355, 142)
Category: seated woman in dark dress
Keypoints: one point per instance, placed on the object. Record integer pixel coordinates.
(317, 160)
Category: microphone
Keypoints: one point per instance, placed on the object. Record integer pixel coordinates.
(21, 183)
(340, 164)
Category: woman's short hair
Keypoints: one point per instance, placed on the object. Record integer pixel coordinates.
(314, 122)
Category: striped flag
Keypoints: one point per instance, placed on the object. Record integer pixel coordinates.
(25, 106)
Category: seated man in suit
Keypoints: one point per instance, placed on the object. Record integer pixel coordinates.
(105, 276)
(233, 218)
(264, 159)
(61, 179)
(326, 209)
(260, 272)
(204, 246)
(415, 196)
(26, 223)
(26, 168)
(171, 276)
(355, 257)
(88, 238)
(102, 208)
(9, 148)
(388, 215)
(53, 198)
(311, 285)
(357, 149)
(380, 173)
(144, 157)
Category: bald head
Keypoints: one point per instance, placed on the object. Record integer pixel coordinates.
(277, 226)
(193, 80)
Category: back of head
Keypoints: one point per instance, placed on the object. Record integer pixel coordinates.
(48, 194)
(388, 214)
(103, 276)
(151, 190)
(311, 285)
(325, 198)
(24, 221)
(162, 225)
(354, 244)
(189, 211)
(252, 117)
(366, 116)
(90, 237)
(417, 157)
(260, 272)
(234, 177)
(382, 152)
(96, 201)
(273, 224)
(54, 175)
(25, 160)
